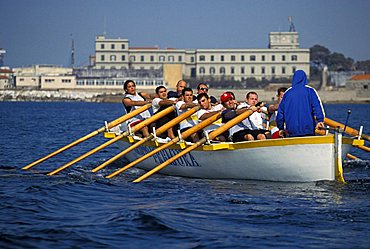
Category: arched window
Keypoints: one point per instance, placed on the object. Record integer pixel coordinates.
(112, 58)
(161, 58)
(222, 70)
(202, 70)
(212, 70)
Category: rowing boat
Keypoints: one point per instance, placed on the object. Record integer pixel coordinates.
(302, 159)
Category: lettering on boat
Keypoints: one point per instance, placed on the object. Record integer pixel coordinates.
(186, 160)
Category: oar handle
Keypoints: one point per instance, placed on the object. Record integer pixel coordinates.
(349, 130)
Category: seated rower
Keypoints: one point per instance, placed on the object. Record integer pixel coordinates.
(159, 104)
(132, 100)
(272, 110)
(255, 122)
(206, 111)
(203, 88)
(240, 131)
(181, 107)
(181, 84)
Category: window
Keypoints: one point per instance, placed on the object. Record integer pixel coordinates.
(151, 58)
(283, 57)
(180, 58)
(102, 57)
(123, 58)
(123, 46)
(272, 57)
(119, 83)
(66, 81)
(212, 70)
(252, 58)
(171, 58)
(212, 58)
(252, 70)
(110, 83)
(100, 82)
(80, 82)
(263, 70)
(192, 59)
(242, 58)
(232, 70)
(202, 58)
(102, 46)
(112, 58)
(242, 70)
(232, 58)
(222, 70)
(142, 58)
(202, 70)
(263, 58)
(272, 70)
(90, 82)
(161, 58)
(222, 58)
(294, 58)
(132, 58)
(112, 46)
(366, 86)
(283, 70)
(294, 69)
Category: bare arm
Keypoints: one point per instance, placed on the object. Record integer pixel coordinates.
(129, 102)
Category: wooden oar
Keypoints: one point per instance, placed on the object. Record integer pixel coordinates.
(349, 130)
(184, 135)
(212, 135)
(124, 134)
(92, 134)
(159, 131)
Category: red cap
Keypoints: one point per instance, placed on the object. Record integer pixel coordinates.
(226, 96)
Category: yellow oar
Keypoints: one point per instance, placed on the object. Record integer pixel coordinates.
(350, 156)
(212, 135)
(159, 131)
(349, 130)
(362, 147)
(184, 135)
(124, 134)
(92, 134)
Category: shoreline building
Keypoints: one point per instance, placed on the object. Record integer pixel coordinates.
(280, 60)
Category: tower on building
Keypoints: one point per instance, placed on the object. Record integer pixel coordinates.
(2, 55)
(291, 27)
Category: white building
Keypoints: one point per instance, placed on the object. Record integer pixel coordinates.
(279, 60)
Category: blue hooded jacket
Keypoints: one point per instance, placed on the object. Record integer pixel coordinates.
(299, 107)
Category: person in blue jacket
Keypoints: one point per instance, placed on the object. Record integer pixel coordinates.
(300, 111)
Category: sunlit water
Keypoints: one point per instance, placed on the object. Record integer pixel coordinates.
(80, 209)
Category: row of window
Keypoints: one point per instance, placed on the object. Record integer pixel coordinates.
(113, 46)
(117, 82)
(171, 58)
(252, 70)
(243, 58)
(53, 80)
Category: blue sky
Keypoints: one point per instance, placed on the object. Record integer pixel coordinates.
(39, 31)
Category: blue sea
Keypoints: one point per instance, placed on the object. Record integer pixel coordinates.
(80, 209)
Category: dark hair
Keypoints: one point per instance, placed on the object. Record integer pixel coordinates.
(159, 88)
(201, 95)
(126, 83)
(198, 86)
(250, 93)
(186, 89)
(281, 90)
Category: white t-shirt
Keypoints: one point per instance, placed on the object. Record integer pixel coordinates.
(215, 124)
(188, 122)
(254, 121)
(155, 104)
(141, 116)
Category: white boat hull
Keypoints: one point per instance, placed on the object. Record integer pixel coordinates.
(290, 159)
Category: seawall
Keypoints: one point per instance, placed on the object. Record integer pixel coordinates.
(338, 96)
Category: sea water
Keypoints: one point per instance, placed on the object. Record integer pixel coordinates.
(80, 209)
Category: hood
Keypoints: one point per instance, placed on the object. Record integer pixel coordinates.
(299, 78)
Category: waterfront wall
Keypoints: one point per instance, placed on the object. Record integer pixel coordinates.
(340, 96)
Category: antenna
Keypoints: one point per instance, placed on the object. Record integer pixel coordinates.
(291, 27)
(105, 26)
(72, 52)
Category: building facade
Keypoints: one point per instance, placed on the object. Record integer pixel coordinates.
(280, 60)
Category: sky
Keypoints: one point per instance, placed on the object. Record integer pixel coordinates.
(41, 31)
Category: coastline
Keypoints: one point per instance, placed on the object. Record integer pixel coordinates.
(107, 96)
